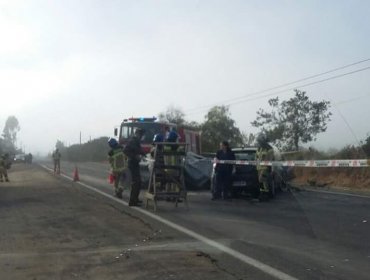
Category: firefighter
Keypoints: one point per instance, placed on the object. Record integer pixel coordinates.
(29, 158)
(118, 162)
(56, 157)
(4, 165)
(166, 132)
(264, 153)
(172, 135)
(158, 138)
(134, 152)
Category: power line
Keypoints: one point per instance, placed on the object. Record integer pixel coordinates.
(290, 89)
(306, 85)
(280, 86)
(305, 79)
(350, 128)
(352, 99)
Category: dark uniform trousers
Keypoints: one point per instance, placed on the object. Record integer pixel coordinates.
(134, 167)
(223, 185)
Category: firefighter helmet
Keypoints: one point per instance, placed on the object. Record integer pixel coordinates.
(112, 142)
(158, 138)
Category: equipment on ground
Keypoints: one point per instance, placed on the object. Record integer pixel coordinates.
(166, 179)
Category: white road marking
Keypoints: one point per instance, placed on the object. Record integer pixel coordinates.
(244, 258)
(338, 193)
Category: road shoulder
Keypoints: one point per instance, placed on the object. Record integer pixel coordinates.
(52, 229)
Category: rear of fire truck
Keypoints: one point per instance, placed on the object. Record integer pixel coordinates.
(152, 127)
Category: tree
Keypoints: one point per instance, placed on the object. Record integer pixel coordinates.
(94, 150)
(8, 143)
(297, 120)
(177, 116)
(60, 145)
(173, 115)
(11, 129)
(366, 146)
(219, 126)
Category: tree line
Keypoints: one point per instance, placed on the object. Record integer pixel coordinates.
(8, 139)
(287, 124)
(94, 150)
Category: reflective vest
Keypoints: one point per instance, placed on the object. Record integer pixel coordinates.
(118, 160)
(56, 156)
(2, 162)
(262, 155)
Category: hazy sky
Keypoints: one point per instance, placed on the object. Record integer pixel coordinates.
(71, 66)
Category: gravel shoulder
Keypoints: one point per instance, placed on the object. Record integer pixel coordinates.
(53, 229)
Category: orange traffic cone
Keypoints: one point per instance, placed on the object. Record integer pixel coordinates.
(75, 175)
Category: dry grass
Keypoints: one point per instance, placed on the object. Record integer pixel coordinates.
(339, 177)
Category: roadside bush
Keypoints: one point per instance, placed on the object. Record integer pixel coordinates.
(306, 154)
(95, 150)
(350, 152)
(366, 146)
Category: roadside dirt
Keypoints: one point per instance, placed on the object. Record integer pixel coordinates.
(52, 229)
(353, 179)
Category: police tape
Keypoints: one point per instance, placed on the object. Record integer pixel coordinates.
(297, 163)
(302, 163)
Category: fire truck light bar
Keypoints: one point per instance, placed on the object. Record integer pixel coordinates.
(141, 119)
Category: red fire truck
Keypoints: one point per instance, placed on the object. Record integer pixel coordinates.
(152, 127)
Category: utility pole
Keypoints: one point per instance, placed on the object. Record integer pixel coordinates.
(80, 137)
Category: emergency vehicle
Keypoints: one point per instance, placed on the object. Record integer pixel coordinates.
(152, 127)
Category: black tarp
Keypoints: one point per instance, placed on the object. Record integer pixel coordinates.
(197, 171)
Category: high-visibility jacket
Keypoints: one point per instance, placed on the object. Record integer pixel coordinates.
(263, 155)
(5, 162)
(56, 155)
(118, 160)
(2, 162)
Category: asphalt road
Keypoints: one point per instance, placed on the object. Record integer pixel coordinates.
(303, 235)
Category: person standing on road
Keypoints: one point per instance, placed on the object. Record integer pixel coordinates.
(264, 153)
(134, 152)
(29, 158)
(118, 162)
(223, 172)
(56, 158)
(4, 166)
